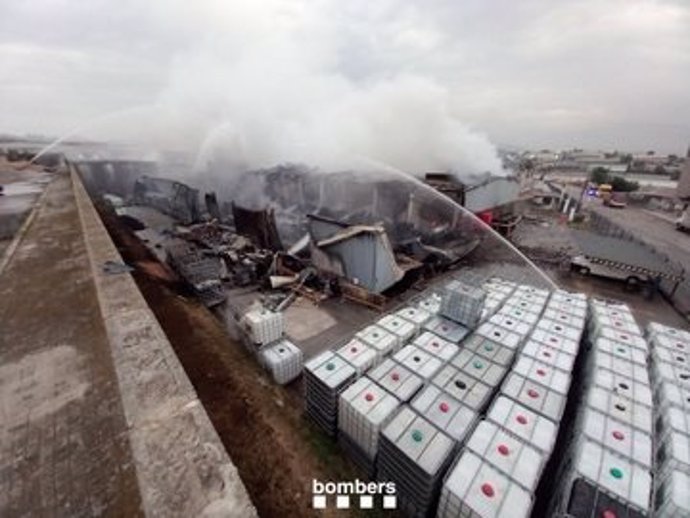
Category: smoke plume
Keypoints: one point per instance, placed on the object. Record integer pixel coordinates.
(275, 83)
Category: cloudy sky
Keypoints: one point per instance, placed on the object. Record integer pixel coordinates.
(535, 73)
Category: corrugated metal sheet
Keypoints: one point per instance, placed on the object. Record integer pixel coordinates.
(493, 192)
(361, 254)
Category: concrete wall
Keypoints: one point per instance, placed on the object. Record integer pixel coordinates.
(182, 467)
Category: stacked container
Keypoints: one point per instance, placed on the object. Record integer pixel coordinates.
(497, 291)
(396, 379)
(446, 329)
(462, 303)
(414, 454)
(519, 434)
(475, 489)
(360, 356)
(598, 482)
(610, 457)
(528, 426)
(325, 377)
(380, 340)
(519, 461)
(283, 360)
(670, 370)
(263, 326)
(415, 315)
(363, 411)
(468, 390)
(502, 336)
(435, 345)
(445, 412)
(401, 328)
(489, 349)
(431, 304)
(422, 363)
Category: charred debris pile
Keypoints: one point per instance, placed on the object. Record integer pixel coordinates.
(314, 234)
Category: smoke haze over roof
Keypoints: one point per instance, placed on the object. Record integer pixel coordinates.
(418, 85)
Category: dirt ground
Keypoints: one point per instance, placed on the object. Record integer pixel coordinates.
(276, 450)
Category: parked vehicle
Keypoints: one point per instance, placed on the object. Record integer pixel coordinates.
(586, 266)
(683, 223)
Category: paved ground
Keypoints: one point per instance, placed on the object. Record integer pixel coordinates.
(658, 233)
(97, 416)
(63, 446)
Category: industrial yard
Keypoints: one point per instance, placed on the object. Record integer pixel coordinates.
(399, 293)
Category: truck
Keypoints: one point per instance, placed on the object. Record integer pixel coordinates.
(623, 260)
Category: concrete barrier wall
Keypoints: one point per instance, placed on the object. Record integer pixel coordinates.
(182, 467)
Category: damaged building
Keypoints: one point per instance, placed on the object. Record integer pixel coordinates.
(360, 254)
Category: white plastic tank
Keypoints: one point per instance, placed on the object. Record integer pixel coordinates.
(520, 421)
(397, 379)
(549, 355)
(489, 349)
(416, 315)
(479, 368)
(626, 338)
(446, 412)
(623, 386)
(560, 329)
(622, 480)
(376, 337)
(544, 374)
(360, 356)
(431, 303)
(672, 495)
(263, 326)
(654, 329)
(463, 387)
(400, 327)
(512, 324)
(622, 351)
(462, 303)
(616, 436)
(556, 341)
(672, 373)
(420, 362)
(520, 314)
(414, 454)
(435, 345)
(500, 335)
(566, 308)
(446, 329)
(624, 410)
(514, 458)
(363, 410)
(621, 366)
(534, 396)
(283, 360)
(670, 343)
(475, 489)
(568, 319)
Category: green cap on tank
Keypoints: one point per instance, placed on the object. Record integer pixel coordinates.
(616, 473)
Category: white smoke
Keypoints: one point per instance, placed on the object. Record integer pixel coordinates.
(269, 84)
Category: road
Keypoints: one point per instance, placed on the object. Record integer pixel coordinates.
(657, 232)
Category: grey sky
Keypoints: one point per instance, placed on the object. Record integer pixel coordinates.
(593, 73)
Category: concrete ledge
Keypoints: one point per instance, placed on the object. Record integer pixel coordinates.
(181, 465)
